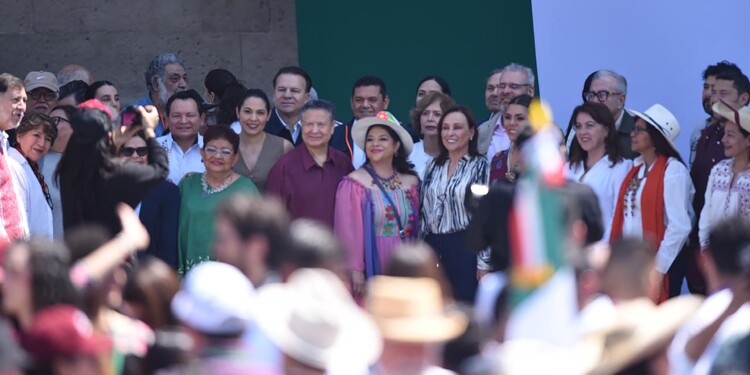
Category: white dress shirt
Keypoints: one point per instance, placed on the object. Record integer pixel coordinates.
(182, 163)
(297, 130)
(419, 158)
(499, 141)
(606, 181)
(678, 211)
(38, 211)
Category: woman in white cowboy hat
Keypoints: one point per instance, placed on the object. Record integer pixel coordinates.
(654, 201)
(377, 205)
(729, 182)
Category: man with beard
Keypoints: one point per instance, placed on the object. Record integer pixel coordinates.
(166, 75)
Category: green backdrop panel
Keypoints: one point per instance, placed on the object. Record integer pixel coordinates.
(403, 41)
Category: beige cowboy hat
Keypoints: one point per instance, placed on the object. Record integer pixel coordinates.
(383, 118)
(741, 116)
(313, 319)
(412, 310)
(663, 120)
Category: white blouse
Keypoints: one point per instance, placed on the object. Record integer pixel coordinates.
(723, 200)
(38, 211)
(678, 210)
(605, 179)
(419, 158)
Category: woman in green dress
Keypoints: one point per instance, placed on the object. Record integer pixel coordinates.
(202, 192)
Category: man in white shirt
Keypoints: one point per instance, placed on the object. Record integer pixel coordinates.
(185, 116)
(513, 80)
(697, 338)
(13, 225)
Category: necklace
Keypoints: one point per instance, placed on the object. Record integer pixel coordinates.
(513, 170)
(208, 189)
(390, 183)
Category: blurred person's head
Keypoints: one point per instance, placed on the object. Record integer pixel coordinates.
(726, 242)
(313, 245)
(252, 235)
(105, 92)
(166, 75)
(73, 72)
(417, 260)
(171, 349)
(72, 93)
(63, 339)
(37, 275)
(734, 357)
(42, 90)
(628, 274)
(149, 291)
(35, 135)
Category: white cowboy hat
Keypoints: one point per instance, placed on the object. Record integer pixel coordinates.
(313, 319)
(384, 118)
(663, 120)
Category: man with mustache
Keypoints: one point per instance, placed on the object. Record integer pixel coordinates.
(42, 91)
(13, 223)
(166, 75)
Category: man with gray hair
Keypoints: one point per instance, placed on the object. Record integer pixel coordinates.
(73, 72)
(513, 80)
(306, 179)
(165, 76)
(611, 89)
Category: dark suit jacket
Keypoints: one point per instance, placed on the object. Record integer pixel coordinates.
(160, 214)
(623, 133)
(276, 127)
(342, 139)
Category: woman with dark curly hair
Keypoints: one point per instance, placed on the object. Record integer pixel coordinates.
(377, 205)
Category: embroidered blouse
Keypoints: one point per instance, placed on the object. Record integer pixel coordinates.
(722, 199)
(605, 179)
(678, 210)
(443, 208)
(366, 223)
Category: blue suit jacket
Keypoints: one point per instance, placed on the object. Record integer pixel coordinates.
(160, 214)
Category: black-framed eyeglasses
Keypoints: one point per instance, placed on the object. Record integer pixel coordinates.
(602, 95)
(47, 95)
(140, 151)
(57, 119)
(513, 86)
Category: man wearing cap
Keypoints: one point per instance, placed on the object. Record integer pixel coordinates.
(512, 81)
(13, 224)
(306, 178)
(42, 90)
(185, 116)
(611, 89)
(166, 75)
(369, 97)
(63, 341)
(291, 90)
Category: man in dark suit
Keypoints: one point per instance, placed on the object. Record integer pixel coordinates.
(291, 90)
(368, 98)
(611, 89)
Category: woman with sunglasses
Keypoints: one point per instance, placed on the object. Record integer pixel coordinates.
(655, 199)
(34, 136)
(201, 193)
(159, 211)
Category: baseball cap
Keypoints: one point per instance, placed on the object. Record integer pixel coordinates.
(38, 79)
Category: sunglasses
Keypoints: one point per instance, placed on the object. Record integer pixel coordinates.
(128, 151)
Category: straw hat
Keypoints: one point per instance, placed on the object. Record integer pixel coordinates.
(663, 120)
(412, 310)
(383, 118)
(313, 319)
(741, 116)
(640, 330)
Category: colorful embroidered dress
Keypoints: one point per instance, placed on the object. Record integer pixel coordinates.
(366, 223)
